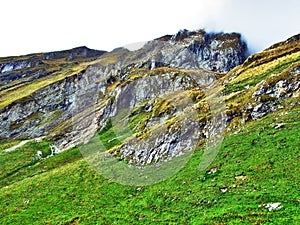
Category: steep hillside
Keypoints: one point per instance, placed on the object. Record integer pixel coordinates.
(51, 95)
(228, 141)
(255, 167)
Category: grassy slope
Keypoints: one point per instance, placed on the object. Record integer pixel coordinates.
(75, 194)
(64, 189)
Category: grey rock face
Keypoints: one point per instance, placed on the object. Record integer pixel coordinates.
(19, 64)
(157, 147)
(50, 106)
(79, 105)
(269, 96)
(192, 50)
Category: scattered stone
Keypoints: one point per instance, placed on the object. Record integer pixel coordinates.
(280, 107)
(223, 190)
(241, 177)
(273, 206)
(26, 202)
(39, 154)
(54, 150)
(213, 170)
(278, 126)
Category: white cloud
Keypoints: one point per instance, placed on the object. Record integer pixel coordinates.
(34, 26)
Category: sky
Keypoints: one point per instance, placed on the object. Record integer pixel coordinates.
(48, 25)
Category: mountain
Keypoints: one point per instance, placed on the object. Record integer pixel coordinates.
(191, 106)
(47, 84)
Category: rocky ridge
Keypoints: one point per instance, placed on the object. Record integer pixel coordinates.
(197, 49)
(95, 86)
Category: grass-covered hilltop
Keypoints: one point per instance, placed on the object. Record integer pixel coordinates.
(73, 122)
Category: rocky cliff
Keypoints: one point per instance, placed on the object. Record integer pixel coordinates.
(197, 49)
(174, 83)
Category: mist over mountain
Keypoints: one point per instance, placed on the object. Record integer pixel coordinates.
(57, 25)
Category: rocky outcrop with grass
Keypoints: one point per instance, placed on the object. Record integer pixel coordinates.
(72, 95)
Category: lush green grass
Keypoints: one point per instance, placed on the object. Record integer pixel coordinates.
(23, 162)
(258, 165)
